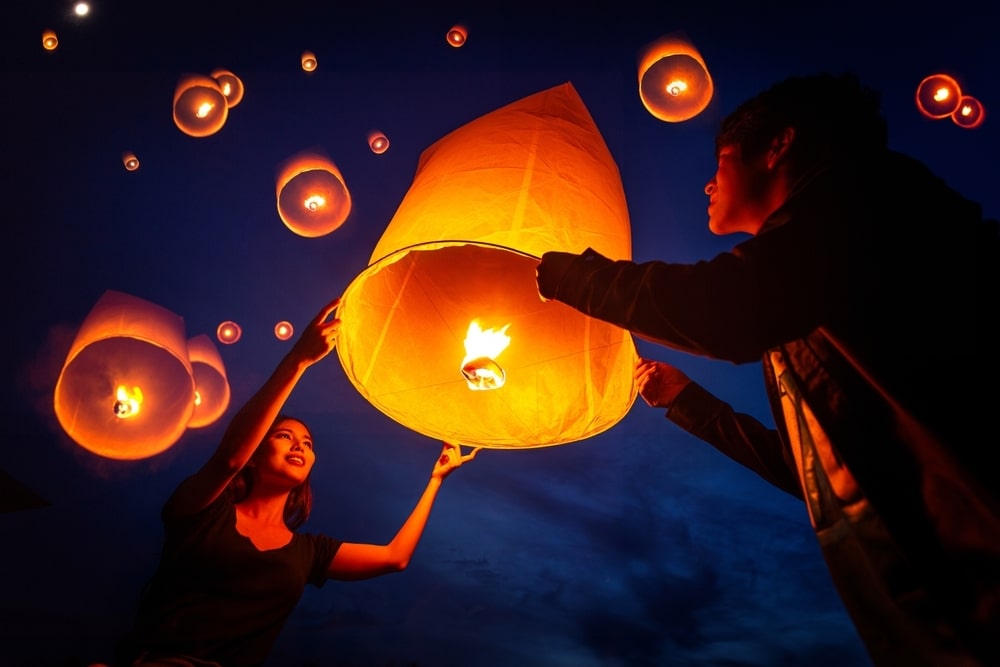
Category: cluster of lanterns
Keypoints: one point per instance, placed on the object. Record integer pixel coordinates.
(202, 103)
(939, 96)
(132, 382)
(50, 41)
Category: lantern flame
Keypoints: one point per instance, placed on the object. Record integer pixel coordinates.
(197, 397)
(479, 367)
(315, 202)
(204, 109)
(127, 405)
(675, 88)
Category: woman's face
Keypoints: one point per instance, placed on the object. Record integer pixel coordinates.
(286, 453)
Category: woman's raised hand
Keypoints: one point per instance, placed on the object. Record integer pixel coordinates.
(451, 457)
(320, 336)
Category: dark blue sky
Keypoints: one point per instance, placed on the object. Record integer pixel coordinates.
(639, 546)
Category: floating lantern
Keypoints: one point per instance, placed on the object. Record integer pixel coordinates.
(130, 161)
(313, 199)
(969, 113)
(230, 85)
(457, 36)
(674, 83)
(200, 107)
(458, 259)
(228, 332)
(211, 386)
(81, 8)
(309, 61)
(938, 95)
(49, 40)
(126, 390)
(378, 142)
(283, 330)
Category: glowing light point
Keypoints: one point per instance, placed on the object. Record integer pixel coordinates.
(228, 332)
(970, 113)
(81, 9)
(49, 40)
(130, 161)
(283, 330)
(378, 142)
(938, 95)
(309, 63)
(457, 36)
(674, 83)
(230, 85)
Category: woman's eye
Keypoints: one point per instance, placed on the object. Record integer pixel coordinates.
(282, 435)
(308, 443)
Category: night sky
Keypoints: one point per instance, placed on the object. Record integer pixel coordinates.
(639, 546)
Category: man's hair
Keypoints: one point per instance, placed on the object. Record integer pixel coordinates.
(834, 117)
(299, 502)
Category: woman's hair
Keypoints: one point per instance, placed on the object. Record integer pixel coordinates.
(834, 117)
(299, 502)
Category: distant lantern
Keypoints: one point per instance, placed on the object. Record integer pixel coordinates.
(457, 35)
(126, 390)
(444, 331)
(200, 107)
(378, 142)
(309, 61)
(283, 330)
(230, 85)
(211, 386)
(674, 83)
(938, 95)
(49, 40)
(130, 161)
(228, 332)
(970, 113)
(313, 199)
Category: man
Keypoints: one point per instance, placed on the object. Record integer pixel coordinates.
(867, 288)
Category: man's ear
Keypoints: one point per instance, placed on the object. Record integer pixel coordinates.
(779, 146)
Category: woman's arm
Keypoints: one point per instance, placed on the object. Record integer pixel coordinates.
(361, 561)
(249, 426)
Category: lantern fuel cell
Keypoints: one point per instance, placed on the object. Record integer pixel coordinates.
(484, 373)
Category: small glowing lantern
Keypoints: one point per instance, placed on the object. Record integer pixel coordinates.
(313, 199)
(457, 35)
(674, 83)
(458, 260)
(130, 161)
(49, 40)
(970, 113)
(378, 142)
(200, 107)
(230, 85)
(228, 332)
(126, 390)
(309, 61)
(283, 330)
(81, 8)
(211, 386)
(938, 95)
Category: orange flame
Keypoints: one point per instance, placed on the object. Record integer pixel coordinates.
(127, 404)
(479, 367)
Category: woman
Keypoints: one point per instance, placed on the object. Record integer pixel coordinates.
(233, 566)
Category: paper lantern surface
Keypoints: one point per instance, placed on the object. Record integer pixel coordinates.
(486, 201)
(211, 385)
(126, 389)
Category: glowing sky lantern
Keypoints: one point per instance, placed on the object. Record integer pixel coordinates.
(283, 330)
(200, 107)
(444, 331)
(674, 83)
(228, 332)
(457, 35)
(130, 161)
(969, 113)
(230, 85)
(49, 40)
(308, 61)
(938, 96)
(313, 199)
(378, 142)
(211, 386)
(126, 389)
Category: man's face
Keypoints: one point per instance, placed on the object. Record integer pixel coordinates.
(739, 193)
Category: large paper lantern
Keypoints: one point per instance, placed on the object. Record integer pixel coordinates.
(674, 83)
(200, 107)
(126, 390)
(313, 199)
(444, 331)
(211, 386)
(938, 96)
